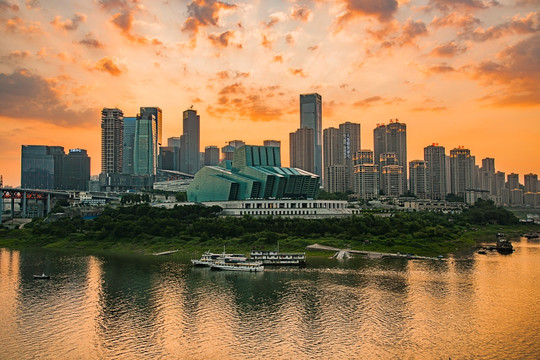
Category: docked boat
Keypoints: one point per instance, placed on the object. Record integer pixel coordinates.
(504, 246)
(271, 257)
(42, 277)
(248, 266)
(208, 258)
(531, 235)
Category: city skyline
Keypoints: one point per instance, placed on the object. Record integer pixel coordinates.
(456, 75)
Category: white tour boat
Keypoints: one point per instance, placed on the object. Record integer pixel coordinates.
(208, 258)
(237, 266)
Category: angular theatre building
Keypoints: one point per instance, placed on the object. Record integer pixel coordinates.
(255, 173)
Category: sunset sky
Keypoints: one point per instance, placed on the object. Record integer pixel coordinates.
(457, 72)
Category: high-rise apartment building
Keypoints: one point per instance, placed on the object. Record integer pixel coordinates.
(363, 156)
(513, 181)
(488, 164)
(211, 156)
(272, 143)
(392, 137)
(301, 153)
(366, 180)
(350, 143)
(531, 183)
(333, 149)
(112, 140)
(392, 180)
(335, 178)
(190, 142)
(435, 158)
(129, 144)
(461, 170)
(418, 178)
(311, 117)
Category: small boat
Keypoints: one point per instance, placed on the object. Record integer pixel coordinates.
(504, 246)
(42, 277)
(237, 266)
(531, 235)
(482, 252)
(277, 258)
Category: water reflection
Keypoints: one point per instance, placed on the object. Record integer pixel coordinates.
(125, 307)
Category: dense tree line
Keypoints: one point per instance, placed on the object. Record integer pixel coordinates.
(183, 224)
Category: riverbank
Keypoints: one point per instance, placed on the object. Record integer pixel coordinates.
(466, 239)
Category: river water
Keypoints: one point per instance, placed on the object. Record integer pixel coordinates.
(144, 307)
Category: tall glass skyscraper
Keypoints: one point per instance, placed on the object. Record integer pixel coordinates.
(144, 151)
(41, 166)
(190, 142)
(129, 144)
(311, 117)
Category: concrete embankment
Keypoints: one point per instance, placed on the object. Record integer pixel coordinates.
(346, 253)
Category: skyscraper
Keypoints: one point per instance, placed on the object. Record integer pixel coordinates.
(392, 138)
(363, 156)
(513, 181)
(350, 143)
(76, 172)
(311, 117)
(435, 157)
(301, 149)
(190, 142)
(418, 178)
(112, 140)
(332, 153)
(461, 170)
(211, 156)
(340, 145)
(366, 180)
(41, 166)
(129, 144)
(531, 183)
(392, 180)
(145, 154)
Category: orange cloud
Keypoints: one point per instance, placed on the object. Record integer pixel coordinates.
(456, 20)
(300, 13)
(383, 10)
(297, 72)
(69, 24)
(221, 40)
(440, 69)
(527, 25)
(18, 55)
(267, 41)
(91, 42)
(18, 25)
(517, 71)
(446, 5)
(434, 109)
(450, 49)
(25, 95)
(109, 65)
(203, 13)
(6, 5)
(278, 58)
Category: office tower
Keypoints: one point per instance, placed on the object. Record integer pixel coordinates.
(272, 143)
(418, 178)
(211, 156)
(392, 138)
(531, 183)
(363, 156)
(190, 142)
(112, 140)
(392, 180)
(301, 149)
(513, 181)
(332, 155)
(461, 170)
(228, 150)
(311, 117)
(76, 174)
(435, 158)
(144, 152)
(350, 143)
(173, 141)
(129, 144)
(169, 157)
(41, 166)
(158, 125)
(366, 180)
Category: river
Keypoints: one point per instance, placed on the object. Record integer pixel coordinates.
(146, 307)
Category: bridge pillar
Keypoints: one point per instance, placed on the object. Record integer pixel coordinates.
(1, 208)
(24, 203)
(12, 208)
(48, 204)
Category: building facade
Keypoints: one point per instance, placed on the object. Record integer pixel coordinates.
(418, 178)
(255, 173)
(76, 174)
(190, 142)
(41, 166)
(112, 140)
(311, 117)
(461, 171)
(301, 149)
(435, 158)
(211, 156)
(130, 124)
(366, 181)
